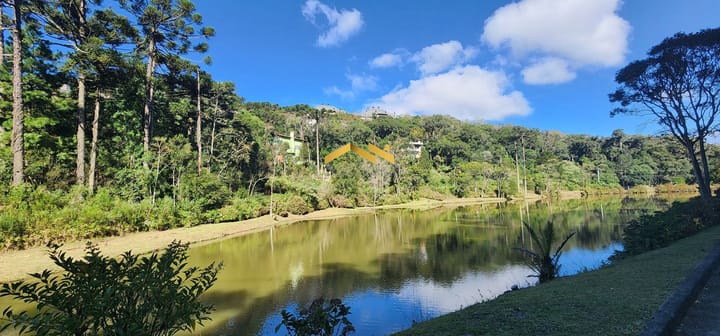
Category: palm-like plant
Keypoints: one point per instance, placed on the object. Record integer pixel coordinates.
(542, 260)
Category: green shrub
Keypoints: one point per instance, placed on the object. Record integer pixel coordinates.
(596, 191)
(641, 189)
(340, 201)
(427, 192)
(658, 230)
(205, 190)
(190, 213)
(131, 183)
(34, 199)
(162, 215)
(244, 208)
(128, 217)
(393, 198)
(12, 231)
(676, 188)
(99, 295)
(292, 204)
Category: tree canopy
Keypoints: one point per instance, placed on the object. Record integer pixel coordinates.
(216, 157)
(678, 85)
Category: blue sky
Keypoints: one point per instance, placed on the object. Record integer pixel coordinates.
(545, 64)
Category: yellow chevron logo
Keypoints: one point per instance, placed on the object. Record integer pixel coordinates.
(383, 154)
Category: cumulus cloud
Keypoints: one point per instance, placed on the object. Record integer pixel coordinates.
(445, 297)
(387, 60)
(336, 91)
(548, 71)
(342, 24)
(465, 92)
(440, 57)
(581, 32)
(358, 83)
(362, 82)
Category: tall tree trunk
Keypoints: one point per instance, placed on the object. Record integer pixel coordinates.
(147, 109)
(317, 144)
(524, 167)
(212, 132)
(705, 172)
(517, 168)
(94, 142)
(17, 137)
(697, 171)
(198, 126)
(2, 36)
(80, 161)
(2, 58)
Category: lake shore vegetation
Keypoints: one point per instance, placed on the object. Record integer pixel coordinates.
(108, 128)
(617, 299)
(122, 133)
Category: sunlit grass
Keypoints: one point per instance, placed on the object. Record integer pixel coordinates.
(615, 300)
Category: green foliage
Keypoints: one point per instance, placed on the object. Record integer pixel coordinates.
(611, 301)
(319, 319)
(99, 295)
(284, 204)
(307, 188)
(32, 216)
(242, 208)
(542, 259)
(653, 231)
(206, 190)
(162, 188)
(663, 86)
(348, 178)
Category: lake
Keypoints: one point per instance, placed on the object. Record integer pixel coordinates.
(397, 267)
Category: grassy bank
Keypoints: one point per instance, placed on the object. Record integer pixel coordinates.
(615, 300)
(16, 264)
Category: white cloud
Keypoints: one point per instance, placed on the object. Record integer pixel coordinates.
(469, 289)
(387, 60)
(583, 32)
(440, 57)
(548, 71)
(358, 83)
(362, 82)
(465, 92)
(342, 24)
(336, 91)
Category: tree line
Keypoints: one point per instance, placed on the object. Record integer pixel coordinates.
(109, 124)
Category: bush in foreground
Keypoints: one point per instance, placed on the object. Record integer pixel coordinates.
(98, 295)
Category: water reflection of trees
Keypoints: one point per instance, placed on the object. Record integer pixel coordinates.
(333, 258)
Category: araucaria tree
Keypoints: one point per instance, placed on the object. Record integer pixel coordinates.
(86, 33)
(167, 27)
(678, 84)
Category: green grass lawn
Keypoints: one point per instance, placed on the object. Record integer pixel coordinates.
(615, 300)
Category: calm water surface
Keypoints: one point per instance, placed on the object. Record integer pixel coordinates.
(396, 267)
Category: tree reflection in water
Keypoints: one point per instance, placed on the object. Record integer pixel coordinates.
(397, 266)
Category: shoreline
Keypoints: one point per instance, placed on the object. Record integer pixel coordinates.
(18, 264)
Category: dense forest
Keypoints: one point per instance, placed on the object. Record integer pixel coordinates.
(115, 129)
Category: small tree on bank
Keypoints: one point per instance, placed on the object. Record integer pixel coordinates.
(542, 259)
(678, 85)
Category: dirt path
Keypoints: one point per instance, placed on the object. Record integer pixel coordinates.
(18, 264)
